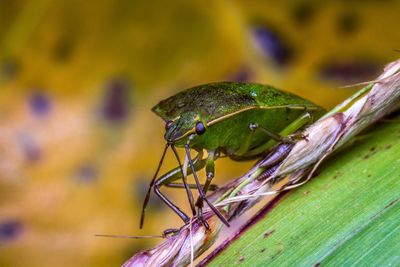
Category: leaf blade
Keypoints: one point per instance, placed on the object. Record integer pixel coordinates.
(352, 190)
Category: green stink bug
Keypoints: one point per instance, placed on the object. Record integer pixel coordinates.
(223, 118)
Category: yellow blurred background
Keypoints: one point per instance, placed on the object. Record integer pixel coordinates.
(78, 142)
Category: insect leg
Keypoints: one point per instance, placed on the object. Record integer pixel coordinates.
(170, 232)
(188, 192)
(180, 213)
(282, 139)
(275, 136)
(210, 171)
(304, 119)
(147, 197)
(174, 175)
(201, 193)
(211, 187)
(168, 178)
(244, 148)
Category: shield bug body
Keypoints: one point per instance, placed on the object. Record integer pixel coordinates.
(225, 118)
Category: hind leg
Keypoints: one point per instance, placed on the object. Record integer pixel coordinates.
(287, 135)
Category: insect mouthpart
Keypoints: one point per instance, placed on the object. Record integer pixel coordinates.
(168, 125)
(168, 139)
(172, 134)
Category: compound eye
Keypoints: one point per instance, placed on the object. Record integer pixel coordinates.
(200, 128)
(168, 125)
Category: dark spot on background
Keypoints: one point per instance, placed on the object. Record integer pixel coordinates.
(39, 104)
(303, 13)
(337, 174)
(350, 71)
(391, 203)
(30, 148)
(242, 75)
(268, 233)
(140, 187)
(116, 106)
(241, 258)
(9, 69)
(63, 50)
(370, 153)
(348, 23)
(32, 152)
(87, 173)
(271, 44)
(10, 229)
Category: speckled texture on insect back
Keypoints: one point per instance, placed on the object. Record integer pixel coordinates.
(236, 105)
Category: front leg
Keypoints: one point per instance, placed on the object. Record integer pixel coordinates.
(175, 174)
(169, 178)
(168, 202)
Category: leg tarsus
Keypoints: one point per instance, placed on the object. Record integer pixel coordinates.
(201, 217)
(294, 138)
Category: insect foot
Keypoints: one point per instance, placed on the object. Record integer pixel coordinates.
(202, 219)
(170, 232)
(295, 137)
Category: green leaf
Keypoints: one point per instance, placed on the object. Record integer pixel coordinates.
(348, 215)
